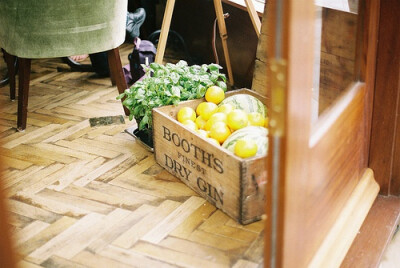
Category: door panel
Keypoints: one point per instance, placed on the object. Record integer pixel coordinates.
(320, 183)
(338, 164)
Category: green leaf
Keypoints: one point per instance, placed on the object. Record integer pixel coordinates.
(137, 109)
(128, 102)
(155, 66)
(214, 67)
(175, 77)
(201, 91)
(142, 125)
(181, 63)
(222, 85)
(176, 91)
(159, 73)
(214, 77)
(120, 96)
(145, 119)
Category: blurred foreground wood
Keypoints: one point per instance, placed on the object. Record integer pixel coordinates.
(7, 258)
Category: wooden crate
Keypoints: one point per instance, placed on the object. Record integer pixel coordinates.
(233, 184)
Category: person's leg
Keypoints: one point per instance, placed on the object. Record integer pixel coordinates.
(79, 58)
(133, 23)
(100, 63)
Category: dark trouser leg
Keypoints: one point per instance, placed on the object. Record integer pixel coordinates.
(100, 63)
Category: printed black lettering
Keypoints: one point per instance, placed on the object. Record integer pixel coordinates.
(218, 197)
(167, 134)
(187, 161)
(218, 165)
(185, 145)
(210, 190)
(201, 184)
(207, 158)
(196, 150)
(203, 156)
(169, 162)
(187, 173)
(176, 140)
(177, 168)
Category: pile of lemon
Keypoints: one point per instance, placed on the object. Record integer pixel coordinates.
(217, 122)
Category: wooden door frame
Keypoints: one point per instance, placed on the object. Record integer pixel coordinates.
(378, 228)
(326, 189)
(384, 156)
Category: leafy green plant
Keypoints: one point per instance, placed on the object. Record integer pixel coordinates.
(169, 84)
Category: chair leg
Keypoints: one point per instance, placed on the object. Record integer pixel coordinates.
(116, 72)
(23, 92)
(11, 62)
(4, 81)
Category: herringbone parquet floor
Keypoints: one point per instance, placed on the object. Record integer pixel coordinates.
(83, 196)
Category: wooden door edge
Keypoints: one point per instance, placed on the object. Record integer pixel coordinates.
(340, 237)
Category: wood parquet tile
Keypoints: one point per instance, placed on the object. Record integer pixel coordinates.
(92, 196)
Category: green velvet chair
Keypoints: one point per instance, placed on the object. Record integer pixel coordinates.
(33, 29)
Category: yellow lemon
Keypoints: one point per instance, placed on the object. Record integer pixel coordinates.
(245, 148)
(200, 107)
(200, 122)
(186, 113)
(220, 131)
(225, 108)
(215, 94)
(190, 125)
(202, 133)
(256, 119)
(213, 141)
(217, 117)
(206, 109)
(237, 119)
(266, 121)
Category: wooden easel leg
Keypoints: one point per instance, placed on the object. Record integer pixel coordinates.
(224, 36)
(116, 72)
(169, 9)
(23, 92)
(255, 20)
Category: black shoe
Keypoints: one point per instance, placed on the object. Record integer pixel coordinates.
(133, 23)
(76, 66)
